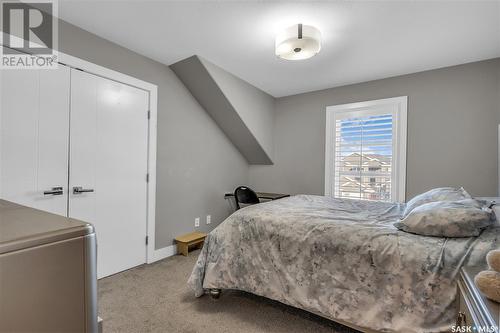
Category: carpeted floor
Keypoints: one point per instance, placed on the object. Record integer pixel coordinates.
(155, 298)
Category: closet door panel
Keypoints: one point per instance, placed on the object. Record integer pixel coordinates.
(34, 137)
(19, 133)
(83, 145)
(53, 138)
(108, 154)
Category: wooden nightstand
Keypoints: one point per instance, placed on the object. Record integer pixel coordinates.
(476, 313)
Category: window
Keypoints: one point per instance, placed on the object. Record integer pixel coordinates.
(366, 150)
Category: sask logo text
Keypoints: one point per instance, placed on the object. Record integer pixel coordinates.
(474, 329)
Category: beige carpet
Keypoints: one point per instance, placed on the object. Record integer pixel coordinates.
(155, 298)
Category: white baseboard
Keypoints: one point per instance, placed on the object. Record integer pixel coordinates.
(163, 253)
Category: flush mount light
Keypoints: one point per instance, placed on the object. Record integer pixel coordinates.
(298, 42)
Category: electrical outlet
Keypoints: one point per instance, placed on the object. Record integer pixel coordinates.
(197, 222)
(209, 219)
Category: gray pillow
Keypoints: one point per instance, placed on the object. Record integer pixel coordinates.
(437, 194)
(463, 218)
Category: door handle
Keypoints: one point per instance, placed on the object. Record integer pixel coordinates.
(58, 190)
(79, 189)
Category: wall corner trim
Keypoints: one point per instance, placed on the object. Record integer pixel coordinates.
(162, 253)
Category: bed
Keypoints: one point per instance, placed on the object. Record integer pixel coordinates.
(342, 259)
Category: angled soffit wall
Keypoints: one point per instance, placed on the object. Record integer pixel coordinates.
(243, 112)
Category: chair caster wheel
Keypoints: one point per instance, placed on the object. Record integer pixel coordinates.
(214, 293)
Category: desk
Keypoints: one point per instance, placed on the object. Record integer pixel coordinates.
(263, 195)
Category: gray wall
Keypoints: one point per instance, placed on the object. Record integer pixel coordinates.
(196, 162)
(498, 121)
(452, 136)
(254, 106)
(453, 114)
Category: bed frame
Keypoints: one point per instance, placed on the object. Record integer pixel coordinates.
(215, 295)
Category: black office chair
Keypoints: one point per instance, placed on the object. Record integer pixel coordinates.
(245, 195)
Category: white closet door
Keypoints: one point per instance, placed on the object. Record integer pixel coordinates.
(108, 162)
(34, 121)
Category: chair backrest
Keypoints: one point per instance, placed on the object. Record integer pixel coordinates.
(245, 195)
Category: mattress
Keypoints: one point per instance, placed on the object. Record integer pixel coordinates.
(342, 259)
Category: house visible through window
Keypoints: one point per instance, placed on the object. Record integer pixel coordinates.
(366, 150)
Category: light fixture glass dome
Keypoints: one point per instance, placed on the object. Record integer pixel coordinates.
(298, 42)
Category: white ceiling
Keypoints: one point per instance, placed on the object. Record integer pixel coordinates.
(362, 40)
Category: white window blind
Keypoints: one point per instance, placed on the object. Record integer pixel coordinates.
(366, 150)
(363, 157)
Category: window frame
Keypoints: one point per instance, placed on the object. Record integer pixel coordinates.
(398, 107)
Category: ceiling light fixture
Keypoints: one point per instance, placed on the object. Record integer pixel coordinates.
(298, 42)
